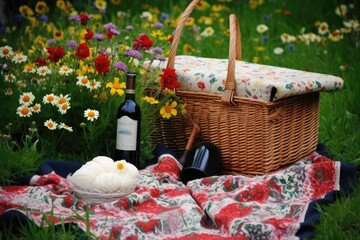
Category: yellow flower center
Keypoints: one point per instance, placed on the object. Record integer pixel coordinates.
(62, 100)
(50, 125)
(168, 109)
(120, 166)
(5, 51)
(116, 85)
(36, 107)
(84, 80)
(64, 106)
(91, 114)
(25, 111)
(50, 98)
(26, 98)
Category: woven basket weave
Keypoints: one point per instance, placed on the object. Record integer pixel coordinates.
(255, 136)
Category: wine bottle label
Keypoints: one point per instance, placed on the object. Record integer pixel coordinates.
(126, 134)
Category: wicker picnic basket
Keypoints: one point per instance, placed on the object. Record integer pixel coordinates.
(255, 136)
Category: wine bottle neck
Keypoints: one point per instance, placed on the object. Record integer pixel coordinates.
(130, 85)
(130, 94)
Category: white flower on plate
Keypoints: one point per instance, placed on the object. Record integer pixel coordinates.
(103, 175)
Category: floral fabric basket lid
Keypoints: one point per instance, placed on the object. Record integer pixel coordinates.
(254, 81)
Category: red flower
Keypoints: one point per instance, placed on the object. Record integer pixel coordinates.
(40, 61)
(170, 39)
(102, 64)
(201, 85)
(55, 54)
(168, 79)
(89, 34)
(109, 34)
(82, 51)
(84, 18)
(144, 42)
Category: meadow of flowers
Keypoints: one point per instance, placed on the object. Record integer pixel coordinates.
(63, 64)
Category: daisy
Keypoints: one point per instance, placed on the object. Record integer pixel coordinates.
(209, 31)
(323, 28)
(335, 36)
(91, 114)
(354, 24)
(50, 124)
(19, 58)
(278, 51)
(92, 85)
(64, 107)
(59, 100)
(261, 28)
(23, 111)
(21, 84)
(341, 10)
(26, 98)
(8, 91)
(6, 51)
(82, 81)
(49, 98)
(36, 108)
(65, 70)
(10, 78)
(43, 71)
(64, 126)
(286, 38)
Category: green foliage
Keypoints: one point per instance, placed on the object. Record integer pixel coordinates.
(17, 160)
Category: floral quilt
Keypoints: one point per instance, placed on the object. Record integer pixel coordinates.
(273, 206)
(256, 81)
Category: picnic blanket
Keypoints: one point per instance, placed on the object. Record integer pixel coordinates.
(280, 205)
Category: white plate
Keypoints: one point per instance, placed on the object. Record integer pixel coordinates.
(97, 198)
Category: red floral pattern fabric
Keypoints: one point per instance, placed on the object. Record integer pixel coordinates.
(162, 207)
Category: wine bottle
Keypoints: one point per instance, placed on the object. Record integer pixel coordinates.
(128, 125)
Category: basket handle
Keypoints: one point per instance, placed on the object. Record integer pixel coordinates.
(235, 52)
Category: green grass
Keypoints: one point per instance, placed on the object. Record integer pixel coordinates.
(339, 111)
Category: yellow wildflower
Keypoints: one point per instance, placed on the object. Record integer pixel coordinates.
(58, 35)
(41, 7)
(169, 109)
(150, 100)
(116, 87)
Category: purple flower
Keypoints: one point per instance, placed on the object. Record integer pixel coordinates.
(291, 47)
(74, 18)
(129, 27)
(71, 44)
(44, 18)
(99, 36)
(134, 53)
(158, 25)
(155, 53)
(157, 50)
(164, 16)
(267, 17)
(121, 66)
(110, 26)
(114, 31)
(160, 58)
(51, 41)
(265, 38)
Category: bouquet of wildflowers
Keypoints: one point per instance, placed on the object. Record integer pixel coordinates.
(65, 82)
